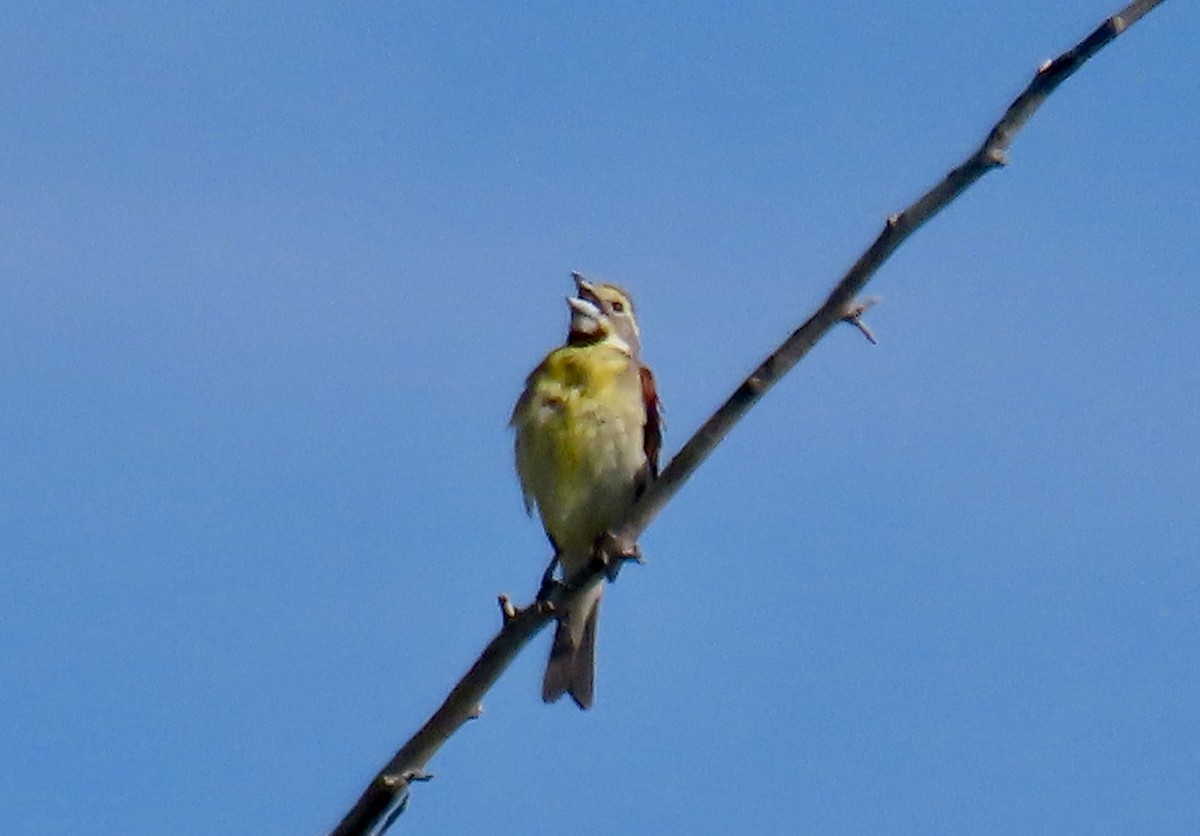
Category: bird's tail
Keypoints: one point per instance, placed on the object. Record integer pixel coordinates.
(571, 668)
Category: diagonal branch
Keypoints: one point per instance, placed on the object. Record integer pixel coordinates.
(385, 796)
(840, 303)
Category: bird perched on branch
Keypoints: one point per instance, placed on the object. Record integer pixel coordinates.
(587, 440)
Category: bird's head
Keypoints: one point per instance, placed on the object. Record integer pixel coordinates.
(603, 313)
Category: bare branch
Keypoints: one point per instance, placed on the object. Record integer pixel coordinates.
(896, 230)
(384, 798)
(387, 794)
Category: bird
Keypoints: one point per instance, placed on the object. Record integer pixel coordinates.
(587, 437)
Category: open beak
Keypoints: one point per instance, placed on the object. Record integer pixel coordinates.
(584, 308)
(586, 289)
(586, 304)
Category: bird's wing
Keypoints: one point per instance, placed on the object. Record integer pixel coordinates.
(652, 432)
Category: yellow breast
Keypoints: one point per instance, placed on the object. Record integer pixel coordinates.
(579, 441)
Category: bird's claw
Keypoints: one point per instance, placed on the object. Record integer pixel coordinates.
(548, 587)
(614, 551)
(549, 582)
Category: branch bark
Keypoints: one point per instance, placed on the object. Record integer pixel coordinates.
(386, 795)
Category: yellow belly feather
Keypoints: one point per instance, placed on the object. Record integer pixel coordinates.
(579, 443)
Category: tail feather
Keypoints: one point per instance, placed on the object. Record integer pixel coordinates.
(571, 668)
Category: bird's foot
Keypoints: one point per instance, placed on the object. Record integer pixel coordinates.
(613, 551)
(549, 586)
(549, 582)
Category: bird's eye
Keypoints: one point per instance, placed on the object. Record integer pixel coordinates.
(618, 307)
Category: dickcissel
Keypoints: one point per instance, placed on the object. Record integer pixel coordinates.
(587, 440)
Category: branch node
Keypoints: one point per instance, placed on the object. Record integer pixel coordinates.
(1045, 65)
(476, 712)
(893, 220)
(507, 611)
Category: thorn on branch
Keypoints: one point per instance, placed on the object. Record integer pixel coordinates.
(395, 814)
(854, 312)
(415, 775)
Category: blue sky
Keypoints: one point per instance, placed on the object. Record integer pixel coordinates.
(272, 276)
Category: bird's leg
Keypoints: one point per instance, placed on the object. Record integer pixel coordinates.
(548, 581)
